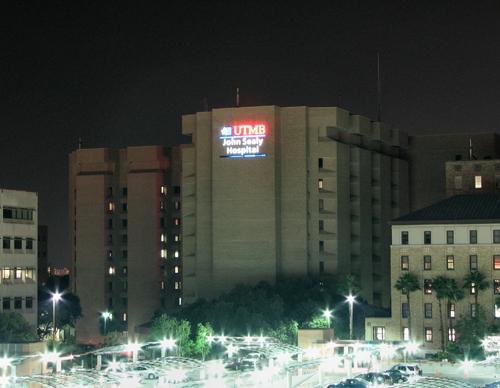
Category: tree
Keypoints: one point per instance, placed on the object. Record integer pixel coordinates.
(14, 328)
(168, 327)
(454, 294)
(350, 285)
(408, 283)
(470, 332)
(201, 345)
(68, 310)
(476, 280)
(439, 285)
(114, 338)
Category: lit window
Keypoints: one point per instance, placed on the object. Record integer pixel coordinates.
(406, 334)
(428, 334)
(111, 270)
(6, 273)
(18, 273)
(176, 269)
(124, 270)
(320, 184)
(163, 237)
(124, 317)
(496, 286)
(163, 253)
(451, 334)
(177, 221)
(428, 310)
(496, 262)
(176, 254)
(473, 262)
(180, 301)
(111, 206)
(29, 274)
(379, 333)
(472, 288)
(478, 182)
(177, 237)
(427, 263)
(177, 285)
(163, 190)
(110, 254)
(497, 311)
(450, 262)
(177, 205)
(162, 285)
(405, 263)
(427, 286)
(451, 310)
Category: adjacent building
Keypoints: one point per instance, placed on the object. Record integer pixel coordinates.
(124, 211)
(473, 176)
(43, 264)
(274, 191)
(18, 260)
(451, 238)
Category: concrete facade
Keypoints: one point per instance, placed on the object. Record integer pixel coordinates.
(472, 176)
(318, 202)
(18, 261)
(125, 261)
(451, 260)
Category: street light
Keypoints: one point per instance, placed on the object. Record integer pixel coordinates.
(167, 344)
(56, 297)
(350, 299)
(328, 315)
(409, 349)
(106, 315)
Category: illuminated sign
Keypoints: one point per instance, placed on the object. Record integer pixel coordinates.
(243, 140)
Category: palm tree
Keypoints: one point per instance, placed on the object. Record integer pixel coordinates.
(476, 280)
(454, 294)
(408, 283)
(350, 285)
(439, 286)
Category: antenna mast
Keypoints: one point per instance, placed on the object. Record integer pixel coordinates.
(237, 97)
(379, 90)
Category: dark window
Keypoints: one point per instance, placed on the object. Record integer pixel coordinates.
(125, 254)
(427, 286)
(124, 191)
(450, 262)
(29, 244)
(110, 286)
(177, 189)
(321, 205)
(321, 267)
(6, 243)
(404, 238)
(320, 162)
(473, 236)
(321, 225)
(18, 303)
(125, 270)
(404, 310)
(427, 237)
(496, 262)
(110, 223)
(124, 238)
(496, 286)
(450, 237)
(427, 263)
(110, 303)
(428, 310)
(125, 302)
(7, 213)
(496, 236)
(458, 157)
(321, 246)
(18, 243)
(124, 207)
(405, 263)
(29, 302)
(473, 262)
(6, 303)
(109, 192)
(473, 310)
(110, 239)
(162, 222)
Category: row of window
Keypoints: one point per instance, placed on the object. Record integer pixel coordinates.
(451, 310)
(450, 237)
(163, 191)
(449, 261)
(17, 243)
(17, 273)
(379, 334)
(17, 213)
(112, 270)
(16, 303)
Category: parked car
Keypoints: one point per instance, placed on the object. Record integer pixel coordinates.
(353, 383)
(396, 376)
(408, 369)
(373, 378)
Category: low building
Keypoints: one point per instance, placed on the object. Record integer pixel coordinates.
(472, 176)
(451, 238)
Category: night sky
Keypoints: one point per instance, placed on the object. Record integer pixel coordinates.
(118, 75)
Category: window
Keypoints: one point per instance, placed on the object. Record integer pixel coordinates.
(110, 286)
(29, 274)
(472, 288)
(18, 303)
(29, 302)
(124, 207)
(6, 303)
(478, 182)
(18, 243)
(450, 262)
(124, 285)
(497, 311)
(404, 310)
(176, 254)
(124, 238)
(428, 286)
(124, 191)
(473, 262)
(451, 334)
(124, 223)
(125, 302)
(111, 207)
(321, 225)
(321, 246)
(111, 270)
(428, 334)
(320, 163)
(496, 286)
(177, 237)
(428, 310)
(473, 310)
(321, 205)
(110, 254)
(163, 190)
(163, 253)
(6, 243)
(179, 301)
(458, 182)
(177, 221)
(110, 239)
(177, 190)
(321, 267)
(406, 334)
(379, 333)
(163, 237)
(16, 213)
(427, 237)
(124, 254)
(320, 184)
(177, 205)
(405, 263)
(176, 269)
(473, 236)
(124, 270)
(6, 273)
(109, 192)
(496, 262)
(450, 237)
(404, 238)
(177, 285)
(162, 285)
(497, 181)
(110, 223)
(451, 310)
(18, 273)
(496, 236)
(29, 244)
(427, 263)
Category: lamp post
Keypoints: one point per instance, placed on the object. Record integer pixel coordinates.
(328, 315)
(56, 297)
(106, 315)
(350, 299)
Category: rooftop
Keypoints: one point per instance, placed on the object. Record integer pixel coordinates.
(476, 208)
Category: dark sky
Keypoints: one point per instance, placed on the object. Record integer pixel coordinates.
(119, 73)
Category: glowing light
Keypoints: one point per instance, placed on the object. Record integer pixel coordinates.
(243, 140)
(350, 299)
(56, 296)
(133, 347)
(106, 315)
(312, 352)
(113, 365)
(467, 365)
(231, 349)
(50, 356)
(327, 313)
(5, 362)
(411, 347)
(210, 339)
(248, 339)
(387, 351)
(222, 339)
(283, 358)
(261, 340)
(168, 343)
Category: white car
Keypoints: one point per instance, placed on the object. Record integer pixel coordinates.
(408, 369)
